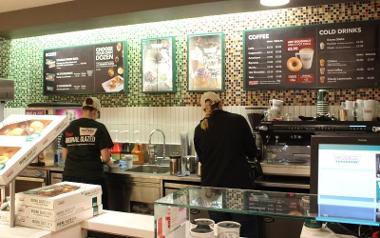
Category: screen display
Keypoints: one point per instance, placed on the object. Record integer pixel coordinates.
(85, 69)
(349, 183)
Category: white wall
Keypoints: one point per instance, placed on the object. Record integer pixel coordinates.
(135, 123)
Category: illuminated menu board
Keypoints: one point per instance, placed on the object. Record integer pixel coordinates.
(85, 69)
(323, 56)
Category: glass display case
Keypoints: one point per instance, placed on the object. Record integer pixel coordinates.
(175, 213)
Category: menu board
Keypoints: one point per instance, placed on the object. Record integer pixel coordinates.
(324, 56)
(85, 69)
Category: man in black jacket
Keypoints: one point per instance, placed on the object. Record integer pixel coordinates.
(224, 143)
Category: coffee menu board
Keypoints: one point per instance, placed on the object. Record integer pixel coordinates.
(323, 56)
(85, 69)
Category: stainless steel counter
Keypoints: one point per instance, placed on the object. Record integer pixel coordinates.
(116, 170)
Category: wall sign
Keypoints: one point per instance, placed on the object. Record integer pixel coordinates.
(205, 62)
(85, 69)
(324, 56)
(158, 65)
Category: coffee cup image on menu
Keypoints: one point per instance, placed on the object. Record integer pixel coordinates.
(322, 70)
(322, 45)
(302, 60)
(322, 79)
(89, 72)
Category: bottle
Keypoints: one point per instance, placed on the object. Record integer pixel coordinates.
(58, 157)
(343, 112)
(137, 151)
(138, 155)
(116, 152)
(48, 155)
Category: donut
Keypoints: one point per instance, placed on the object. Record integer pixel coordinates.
(16, 132)
(294, 64)
(3, 158)
(37, 126)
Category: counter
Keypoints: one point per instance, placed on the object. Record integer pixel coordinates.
(129, 191)
(109, 222)
(116, 170)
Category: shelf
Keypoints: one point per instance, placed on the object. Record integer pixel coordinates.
(254, 202)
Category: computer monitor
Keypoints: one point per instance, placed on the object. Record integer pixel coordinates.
(345, 174)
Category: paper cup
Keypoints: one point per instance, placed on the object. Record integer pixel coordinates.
(228, 229)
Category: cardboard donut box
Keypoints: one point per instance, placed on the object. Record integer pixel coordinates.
(61, 223)
(59, 196)
(22, 138)
(59, 213)
(58, 206)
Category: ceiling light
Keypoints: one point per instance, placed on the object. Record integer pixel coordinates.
(274, 3)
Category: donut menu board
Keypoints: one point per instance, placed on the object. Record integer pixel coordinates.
(85, 69)
(323, 56)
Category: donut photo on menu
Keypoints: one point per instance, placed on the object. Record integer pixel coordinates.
(294, 64)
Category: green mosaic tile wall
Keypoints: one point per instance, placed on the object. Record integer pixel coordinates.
(21, 59)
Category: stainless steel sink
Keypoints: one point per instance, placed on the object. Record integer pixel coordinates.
(150, 169)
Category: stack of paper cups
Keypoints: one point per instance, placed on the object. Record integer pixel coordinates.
(322, 102)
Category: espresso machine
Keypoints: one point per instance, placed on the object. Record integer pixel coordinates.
(285, 150)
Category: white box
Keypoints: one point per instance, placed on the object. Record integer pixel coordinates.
(22, 138)
(60, 223)
(4, 217)
(56, 214)
(59, 195)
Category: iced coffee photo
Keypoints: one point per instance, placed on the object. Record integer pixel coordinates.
(322, 62)
(306, 57)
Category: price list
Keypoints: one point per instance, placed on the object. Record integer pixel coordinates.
(264, 60)
(344, 55)
(347, 56)
(267, 57)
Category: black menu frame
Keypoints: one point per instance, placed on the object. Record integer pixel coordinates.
(324, 44)
(86, 69)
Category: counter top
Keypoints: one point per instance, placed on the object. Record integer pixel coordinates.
(22, 232)
(74, 231)
(116, 170)
(121, 223)
(163, 176)
(109, 222)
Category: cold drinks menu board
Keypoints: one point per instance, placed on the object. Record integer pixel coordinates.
(323, 56)
(85, 69)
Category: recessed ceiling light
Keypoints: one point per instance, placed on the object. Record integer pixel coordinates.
(274, 3)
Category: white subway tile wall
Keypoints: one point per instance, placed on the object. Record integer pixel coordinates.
(132, 124)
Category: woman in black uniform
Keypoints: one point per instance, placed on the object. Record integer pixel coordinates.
(224, 143)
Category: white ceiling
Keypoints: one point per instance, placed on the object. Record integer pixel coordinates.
(13, 5)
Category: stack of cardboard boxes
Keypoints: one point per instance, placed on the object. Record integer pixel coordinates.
(58, 206)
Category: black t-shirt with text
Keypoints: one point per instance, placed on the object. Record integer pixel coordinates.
(84, 139)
